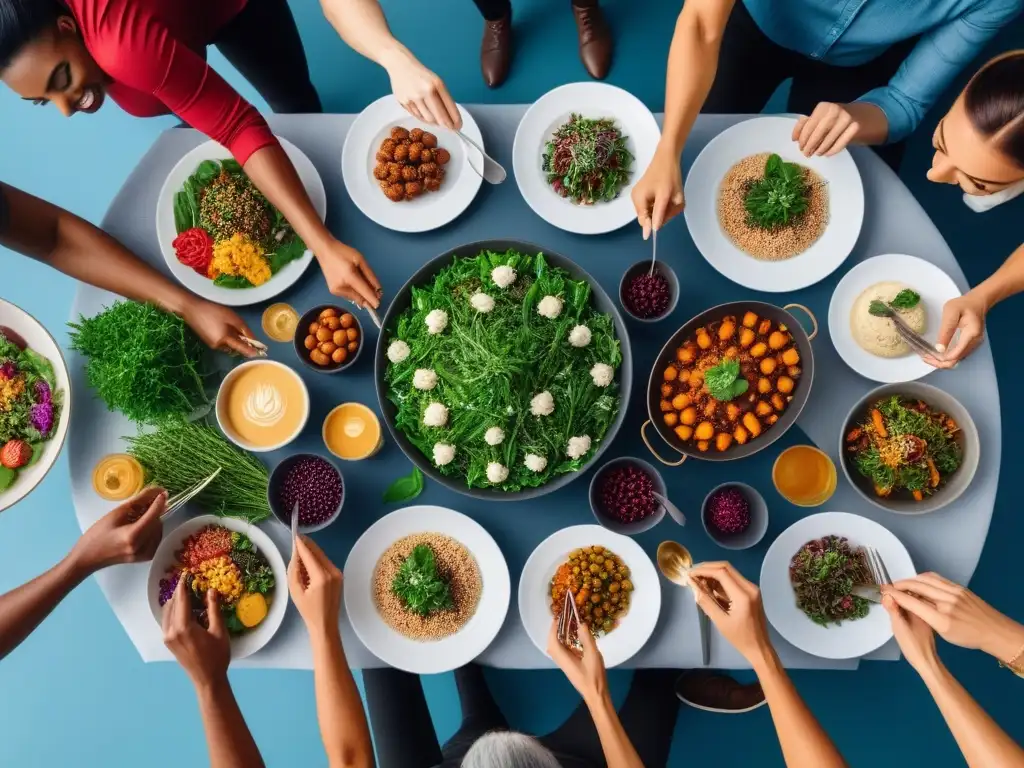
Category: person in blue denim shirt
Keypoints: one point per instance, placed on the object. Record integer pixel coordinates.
(864, 72)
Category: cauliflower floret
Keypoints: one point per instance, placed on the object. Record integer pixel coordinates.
(503, 276)
(424, 378)
(602, 374)
(398, 351)
(494, 436)
(550, 307)
(578, 446)
(497, 473)
(579, 336)
(437, 320)
(535, 463)
(435, 415)
(443, 454)
(542, 404)
(481, 302)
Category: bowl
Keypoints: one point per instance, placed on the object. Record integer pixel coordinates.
(758, 519)
(643, 267)
(166, 556)
(274, 491)
(967, 437)
(369, 418)
(303, 330)
(610, 522)
(224, 422)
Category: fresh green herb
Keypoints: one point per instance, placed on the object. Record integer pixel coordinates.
(241, 543)
(490, 366)
(232, 623)
(33, 414)
(906, 299)
(418, 584)
(823, 573)
(232, 281)
(178, 454)
(879, 308)
(780, 198)
(405, 488)
(587, 160)
(724, 381)
(7, 477)
(257, 575)
(144, 362)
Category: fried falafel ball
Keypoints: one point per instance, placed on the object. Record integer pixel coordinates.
(431, 184)
(398, 133)
(380, 171)
(416, 134)
(394, 172)
(415, 150)
(402, 153)
(413, 189)
(427, 155)
(409, 173)
(429, 140)
(440, 175)
(442, 156)
(428, 170)
(396, 193)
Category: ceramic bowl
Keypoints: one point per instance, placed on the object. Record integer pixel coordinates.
(758, 519)
(274, 492)
(302, 331)
(628, 529)
(662, 269)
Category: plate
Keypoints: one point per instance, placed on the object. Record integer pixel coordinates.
(166, 232)
(852, 639)
(397, 650)
(635, 629)
(772, 134)
(165, 557)
(40, 340)
(547, 114)
(428, 211)
(935, 287)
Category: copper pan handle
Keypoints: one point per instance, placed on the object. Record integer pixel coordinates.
(814, 320)
(643, 434)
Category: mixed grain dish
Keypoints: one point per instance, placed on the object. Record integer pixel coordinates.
(730, 381)
(598, 580)
(409, 163)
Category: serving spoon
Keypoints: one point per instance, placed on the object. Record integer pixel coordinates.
(675, 562)
(673, 511)
(493, 172)
(654, 254)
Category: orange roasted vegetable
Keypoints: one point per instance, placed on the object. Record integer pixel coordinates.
(878, 423)
(933, 474)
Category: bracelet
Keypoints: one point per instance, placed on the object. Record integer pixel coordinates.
(1015, 664)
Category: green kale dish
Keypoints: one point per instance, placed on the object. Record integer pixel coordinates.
(502, 372)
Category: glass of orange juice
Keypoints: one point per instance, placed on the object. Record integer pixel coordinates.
(804, 476)
(352, 432)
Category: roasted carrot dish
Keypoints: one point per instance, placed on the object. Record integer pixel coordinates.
(730, 382)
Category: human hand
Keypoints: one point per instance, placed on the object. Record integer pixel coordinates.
(743, 623)
(958, 615)
(826, 131)
(314, 583)
(587, 674)
(422, 93)
(967, 314)
(913, 635)
(129, 533)
(658, 196)
(348, 275)
(218, 327)
(203, 653)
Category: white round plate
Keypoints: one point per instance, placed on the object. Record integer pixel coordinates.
(935, 287)
(547, 115)
(752, 137)
(166, 232)
(40, 341)
(166, 557)
(431, 209)
(397, 650)
(635, 628)
(851, 639)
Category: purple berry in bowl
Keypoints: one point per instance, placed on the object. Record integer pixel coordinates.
(728, 511)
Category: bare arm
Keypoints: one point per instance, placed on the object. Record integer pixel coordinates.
(618, 749)
(228, 738)
(361, 24)
(1006, 281)
(24, 608)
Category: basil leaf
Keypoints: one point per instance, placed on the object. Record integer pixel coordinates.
(878, 308)
(405, 488)
(773, 165)
(906, 299)
(7, 477)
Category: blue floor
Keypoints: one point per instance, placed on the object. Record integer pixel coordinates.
(76, 693)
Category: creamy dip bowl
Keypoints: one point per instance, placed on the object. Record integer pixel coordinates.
(262, 405)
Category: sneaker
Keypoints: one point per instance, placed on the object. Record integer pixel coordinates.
(717, 692)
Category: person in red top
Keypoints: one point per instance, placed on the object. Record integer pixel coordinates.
(149, 56)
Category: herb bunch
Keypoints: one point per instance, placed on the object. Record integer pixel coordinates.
(823, 573)
(905, 299)
(418, 584)
(144, 362)
(724, 381)
(587, 160)
(778, 199)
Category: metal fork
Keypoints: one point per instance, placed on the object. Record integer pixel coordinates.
(179, 500)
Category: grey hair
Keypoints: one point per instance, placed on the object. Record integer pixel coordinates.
(508, 749)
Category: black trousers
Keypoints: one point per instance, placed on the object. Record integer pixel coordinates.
(263, 43)
(405, 738)
(751, 67)
(492, 10)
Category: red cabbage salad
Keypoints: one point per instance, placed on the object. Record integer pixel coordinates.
(30, 404)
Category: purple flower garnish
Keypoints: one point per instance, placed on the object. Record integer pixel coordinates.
(43, 394)
(168, 585)
(41, 415)
(8, 370)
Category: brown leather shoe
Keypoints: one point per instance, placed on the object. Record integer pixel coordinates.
(595, 40)
(716, 692)
(496, 50)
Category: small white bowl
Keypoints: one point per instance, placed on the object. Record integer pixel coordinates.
(166, 557)
(225, 424)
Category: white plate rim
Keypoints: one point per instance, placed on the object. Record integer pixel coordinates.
(616, 648)
(429, 211)
(426, 658)
(253, 641)
(637, 122)
(900, 268)
(780, 603)
(166, 232)
(819, 261)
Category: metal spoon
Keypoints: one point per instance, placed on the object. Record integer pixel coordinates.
(654, 255)
(492, 172)
(674, 562)
(673, 511)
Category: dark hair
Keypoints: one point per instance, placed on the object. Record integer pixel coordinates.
(21, 21)
(995, 103)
